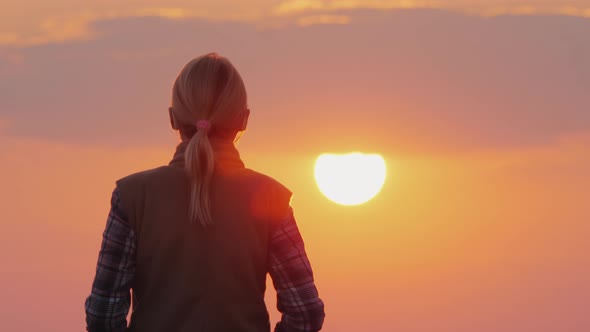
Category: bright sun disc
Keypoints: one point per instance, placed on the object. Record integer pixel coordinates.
(350, 179)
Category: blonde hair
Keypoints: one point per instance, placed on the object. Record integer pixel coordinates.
(207, 88)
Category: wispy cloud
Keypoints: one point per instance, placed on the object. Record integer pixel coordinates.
(533, 10)
(323, 19)
(54, 30)
(291, 7)
(487, 8)
(172, 13)
(78, 27)
(297, 6)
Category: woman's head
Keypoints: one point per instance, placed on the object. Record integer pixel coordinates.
(209, 88)
(208, 100)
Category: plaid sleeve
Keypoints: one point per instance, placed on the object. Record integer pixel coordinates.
(108, 304)
(297, 296)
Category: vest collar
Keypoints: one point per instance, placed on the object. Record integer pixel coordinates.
(225, 153)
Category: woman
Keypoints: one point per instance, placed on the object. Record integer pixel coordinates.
(196, 238)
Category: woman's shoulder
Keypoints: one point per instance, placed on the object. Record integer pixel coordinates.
(269, 190)
(147, 177)
(267, 181)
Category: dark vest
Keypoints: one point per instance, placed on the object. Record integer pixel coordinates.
(194, 278)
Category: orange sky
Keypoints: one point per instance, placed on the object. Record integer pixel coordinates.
(481, 226)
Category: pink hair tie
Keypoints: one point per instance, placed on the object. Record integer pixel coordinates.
(203, 125)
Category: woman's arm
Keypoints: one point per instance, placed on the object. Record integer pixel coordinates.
(108, 304)
(297, 296)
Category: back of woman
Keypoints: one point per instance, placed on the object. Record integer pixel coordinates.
(195, 239)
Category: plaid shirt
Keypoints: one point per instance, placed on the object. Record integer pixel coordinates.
(109, 302)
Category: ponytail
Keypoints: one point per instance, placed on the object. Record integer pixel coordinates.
(200, 163)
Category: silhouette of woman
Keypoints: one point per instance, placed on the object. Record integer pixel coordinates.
(195, 239)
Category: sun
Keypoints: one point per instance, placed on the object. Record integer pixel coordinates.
(350, 179)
